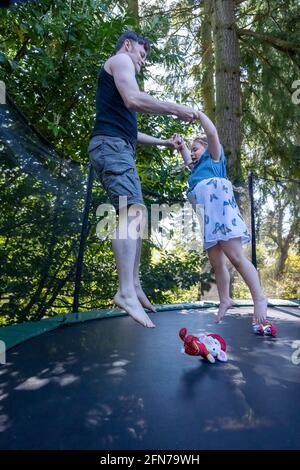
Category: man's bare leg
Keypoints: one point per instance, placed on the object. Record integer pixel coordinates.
(137, 283)
(124, 248)
(218, 261)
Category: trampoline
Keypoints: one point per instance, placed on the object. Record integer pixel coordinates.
(112, 385)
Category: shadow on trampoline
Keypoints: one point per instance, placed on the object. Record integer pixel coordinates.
(113, 385)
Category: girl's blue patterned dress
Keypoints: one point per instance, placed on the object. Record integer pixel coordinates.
(214, 196)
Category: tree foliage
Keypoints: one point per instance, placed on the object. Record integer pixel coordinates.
(50, 54)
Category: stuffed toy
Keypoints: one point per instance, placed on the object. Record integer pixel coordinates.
(210, 346)
(265, 330)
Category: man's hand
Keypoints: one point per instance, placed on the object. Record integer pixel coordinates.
(169, 143)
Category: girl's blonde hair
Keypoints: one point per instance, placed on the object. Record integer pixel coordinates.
(202, 139)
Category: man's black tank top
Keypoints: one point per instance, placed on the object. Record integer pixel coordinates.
(112, 116)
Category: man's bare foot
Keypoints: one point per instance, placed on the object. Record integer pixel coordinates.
(223, 307)
(132, 306)
(144, 299)
(260, 310)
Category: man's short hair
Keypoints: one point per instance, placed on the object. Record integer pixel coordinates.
(132, 36)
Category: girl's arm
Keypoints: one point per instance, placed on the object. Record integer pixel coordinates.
(180, 145)
(214, 146)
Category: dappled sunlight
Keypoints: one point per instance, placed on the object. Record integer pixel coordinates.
(97, 416)
(274, 377)
(133, 424)
(3, 396)
(272, 347)
(116, 368)
(90, 367)
(46, 376)
(58, 369)
(4, 422)
(140, 429)
(236, 375)
(33, 383)
(227, 423)
(284, 317)
(67, 379)
(117, 371)
(184, 312)
(120, 363)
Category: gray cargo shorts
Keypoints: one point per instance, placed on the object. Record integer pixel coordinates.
(113, 160)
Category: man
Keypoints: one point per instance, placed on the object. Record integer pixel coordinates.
(112, 154)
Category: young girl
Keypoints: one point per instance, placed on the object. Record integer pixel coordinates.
(224, 228)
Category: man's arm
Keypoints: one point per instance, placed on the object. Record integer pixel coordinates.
(123, 72)
(149, 140)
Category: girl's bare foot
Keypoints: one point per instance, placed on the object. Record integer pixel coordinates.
(223, 307)
(132, 306)
(260, 310)
(144, 299)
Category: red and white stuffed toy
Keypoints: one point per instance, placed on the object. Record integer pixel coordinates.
(265, 330)
(210, 346)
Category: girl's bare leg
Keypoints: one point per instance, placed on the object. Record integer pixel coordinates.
(234, 251)
(218, 261)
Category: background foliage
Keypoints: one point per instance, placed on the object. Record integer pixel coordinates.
(50, 54)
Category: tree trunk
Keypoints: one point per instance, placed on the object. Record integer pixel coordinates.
(228, 93)
(207, 65)
(207, 62)
(45, 306)
(133, 9)
(281, 261)
(284, 248)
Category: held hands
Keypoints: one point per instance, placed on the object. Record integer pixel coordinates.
(169, 143)
(186, 113)
(177, 141)
(179, 144)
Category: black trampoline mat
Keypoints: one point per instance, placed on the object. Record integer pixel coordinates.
(111, 384)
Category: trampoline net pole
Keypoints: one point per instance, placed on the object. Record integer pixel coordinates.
(253, 231)
(83, 235)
